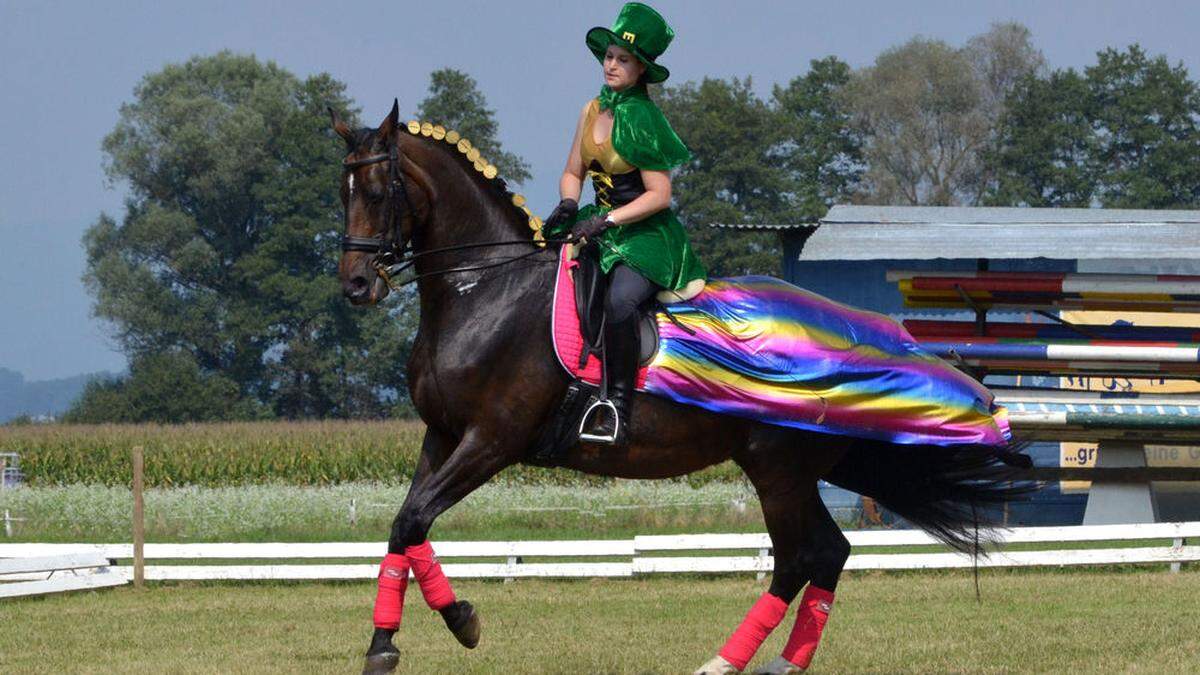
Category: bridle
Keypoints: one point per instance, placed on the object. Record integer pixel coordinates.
(391, 256)
(388, 249)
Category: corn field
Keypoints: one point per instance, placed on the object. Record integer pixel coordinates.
(247, 453)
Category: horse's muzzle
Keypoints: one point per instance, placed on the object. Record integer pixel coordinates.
(357, 290)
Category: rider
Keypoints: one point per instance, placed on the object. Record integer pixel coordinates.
(642, 245)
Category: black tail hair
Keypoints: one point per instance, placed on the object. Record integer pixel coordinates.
(940, 489)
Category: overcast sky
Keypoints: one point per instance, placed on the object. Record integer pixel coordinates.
(65, 67)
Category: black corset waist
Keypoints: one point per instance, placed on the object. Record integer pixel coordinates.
(615, 190)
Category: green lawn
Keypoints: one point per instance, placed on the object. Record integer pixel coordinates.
(1053, 621)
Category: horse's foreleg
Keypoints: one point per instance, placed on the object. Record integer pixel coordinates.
(475, 460)
(392, 583)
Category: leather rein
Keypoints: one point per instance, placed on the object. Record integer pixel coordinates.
(392, 256)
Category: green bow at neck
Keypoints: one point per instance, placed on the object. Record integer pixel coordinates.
(610, 98)
(640, 133)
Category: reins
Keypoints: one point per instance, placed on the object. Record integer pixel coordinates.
(404, 264)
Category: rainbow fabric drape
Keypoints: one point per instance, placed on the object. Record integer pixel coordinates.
(773, 352)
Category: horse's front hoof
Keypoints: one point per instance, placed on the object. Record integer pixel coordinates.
(462, 620)
(779, 666)
(717, 666)
(378, 664)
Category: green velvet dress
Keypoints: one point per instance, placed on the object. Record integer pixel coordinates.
(656, 246)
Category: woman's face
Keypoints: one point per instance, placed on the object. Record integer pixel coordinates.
(621, 68)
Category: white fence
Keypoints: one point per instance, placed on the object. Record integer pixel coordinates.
(658, 554)
(56, 574)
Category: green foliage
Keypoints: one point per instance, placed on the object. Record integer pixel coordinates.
(1124, 135)
(730, 179)
(1044, 150)
(167, 387)
(819, 146)
(299, 453)
(244, 453)
(455, 102)
(927, 111)
(1145, 114)
(760, 162)
(228, 250)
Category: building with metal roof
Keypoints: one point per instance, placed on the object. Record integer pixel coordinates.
(922, 232)
(846, 255)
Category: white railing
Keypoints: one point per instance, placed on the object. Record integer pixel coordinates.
(656, 554)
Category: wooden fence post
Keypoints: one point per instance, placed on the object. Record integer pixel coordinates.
(139, 520)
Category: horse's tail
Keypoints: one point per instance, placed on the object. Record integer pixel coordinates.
(942, 490)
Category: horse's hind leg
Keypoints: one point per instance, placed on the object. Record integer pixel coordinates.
(823, 554)
(786, 481)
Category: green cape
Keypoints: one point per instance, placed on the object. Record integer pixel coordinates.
(641, 134)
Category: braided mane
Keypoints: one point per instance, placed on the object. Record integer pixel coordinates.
(471, 155)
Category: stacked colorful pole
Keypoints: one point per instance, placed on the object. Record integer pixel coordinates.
(933, 331)
(1163, 292)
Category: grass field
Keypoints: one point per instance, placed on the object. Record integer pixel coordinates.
(1051, 621)
(497, 511)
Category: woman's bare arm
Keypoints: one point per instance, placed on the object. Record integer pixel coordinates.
(656, 198)
(571, 184)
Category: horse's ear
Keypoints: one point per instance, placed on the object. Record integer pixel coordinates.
(391, 121)
(340, 127)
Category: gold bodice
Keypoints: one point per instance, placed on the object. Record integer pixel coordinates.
(603, 153)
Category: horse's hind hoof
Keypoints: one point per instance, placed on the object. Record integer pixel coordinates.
(378, 664)
(462, 620)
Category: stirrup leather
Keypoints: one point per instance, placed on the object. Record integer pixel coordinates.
(599, 438)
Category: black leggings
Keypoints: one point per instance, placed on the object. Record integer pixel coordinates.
(626, 290)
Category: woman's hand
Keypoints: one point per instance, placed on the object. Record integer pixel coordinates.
(588, 229)
(564, 212)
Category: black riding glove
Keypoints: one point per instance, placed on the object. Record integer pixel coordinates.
(563, 213)
(588, 229)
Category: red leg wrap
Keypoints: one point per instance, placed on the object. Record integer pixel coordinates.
(389, 598)
(428, 571)
(810, 621)
(758, 624)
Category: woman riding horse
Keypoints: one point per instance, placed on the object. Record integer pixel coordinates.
(922, 438)
(626, 146)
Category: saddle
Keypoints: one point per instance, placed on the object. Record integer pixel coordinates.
(582, 295)
(590, 287)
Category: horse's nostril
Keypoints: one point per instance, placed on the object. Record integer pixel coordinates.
(356, 287)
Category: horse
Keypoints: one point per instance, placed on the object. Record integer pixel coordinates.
(484, 381)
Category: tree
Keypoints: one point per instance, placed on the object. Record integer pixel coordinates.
(227, 253)
(928, 112)
(1124, 135)
(167, 387)
(733, 177)
(919, 106)
(1002, 58)
(1044, 147)
(1145, 114)
(819, 147)
(455, 102)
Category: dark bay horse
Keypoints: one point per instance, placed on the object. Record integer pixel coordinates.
(484, 379)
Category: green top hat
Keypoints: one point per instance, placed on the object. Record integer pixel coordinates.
(642, 31)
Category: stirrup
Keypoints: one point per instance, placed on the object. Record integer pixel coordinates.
(598, 438)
